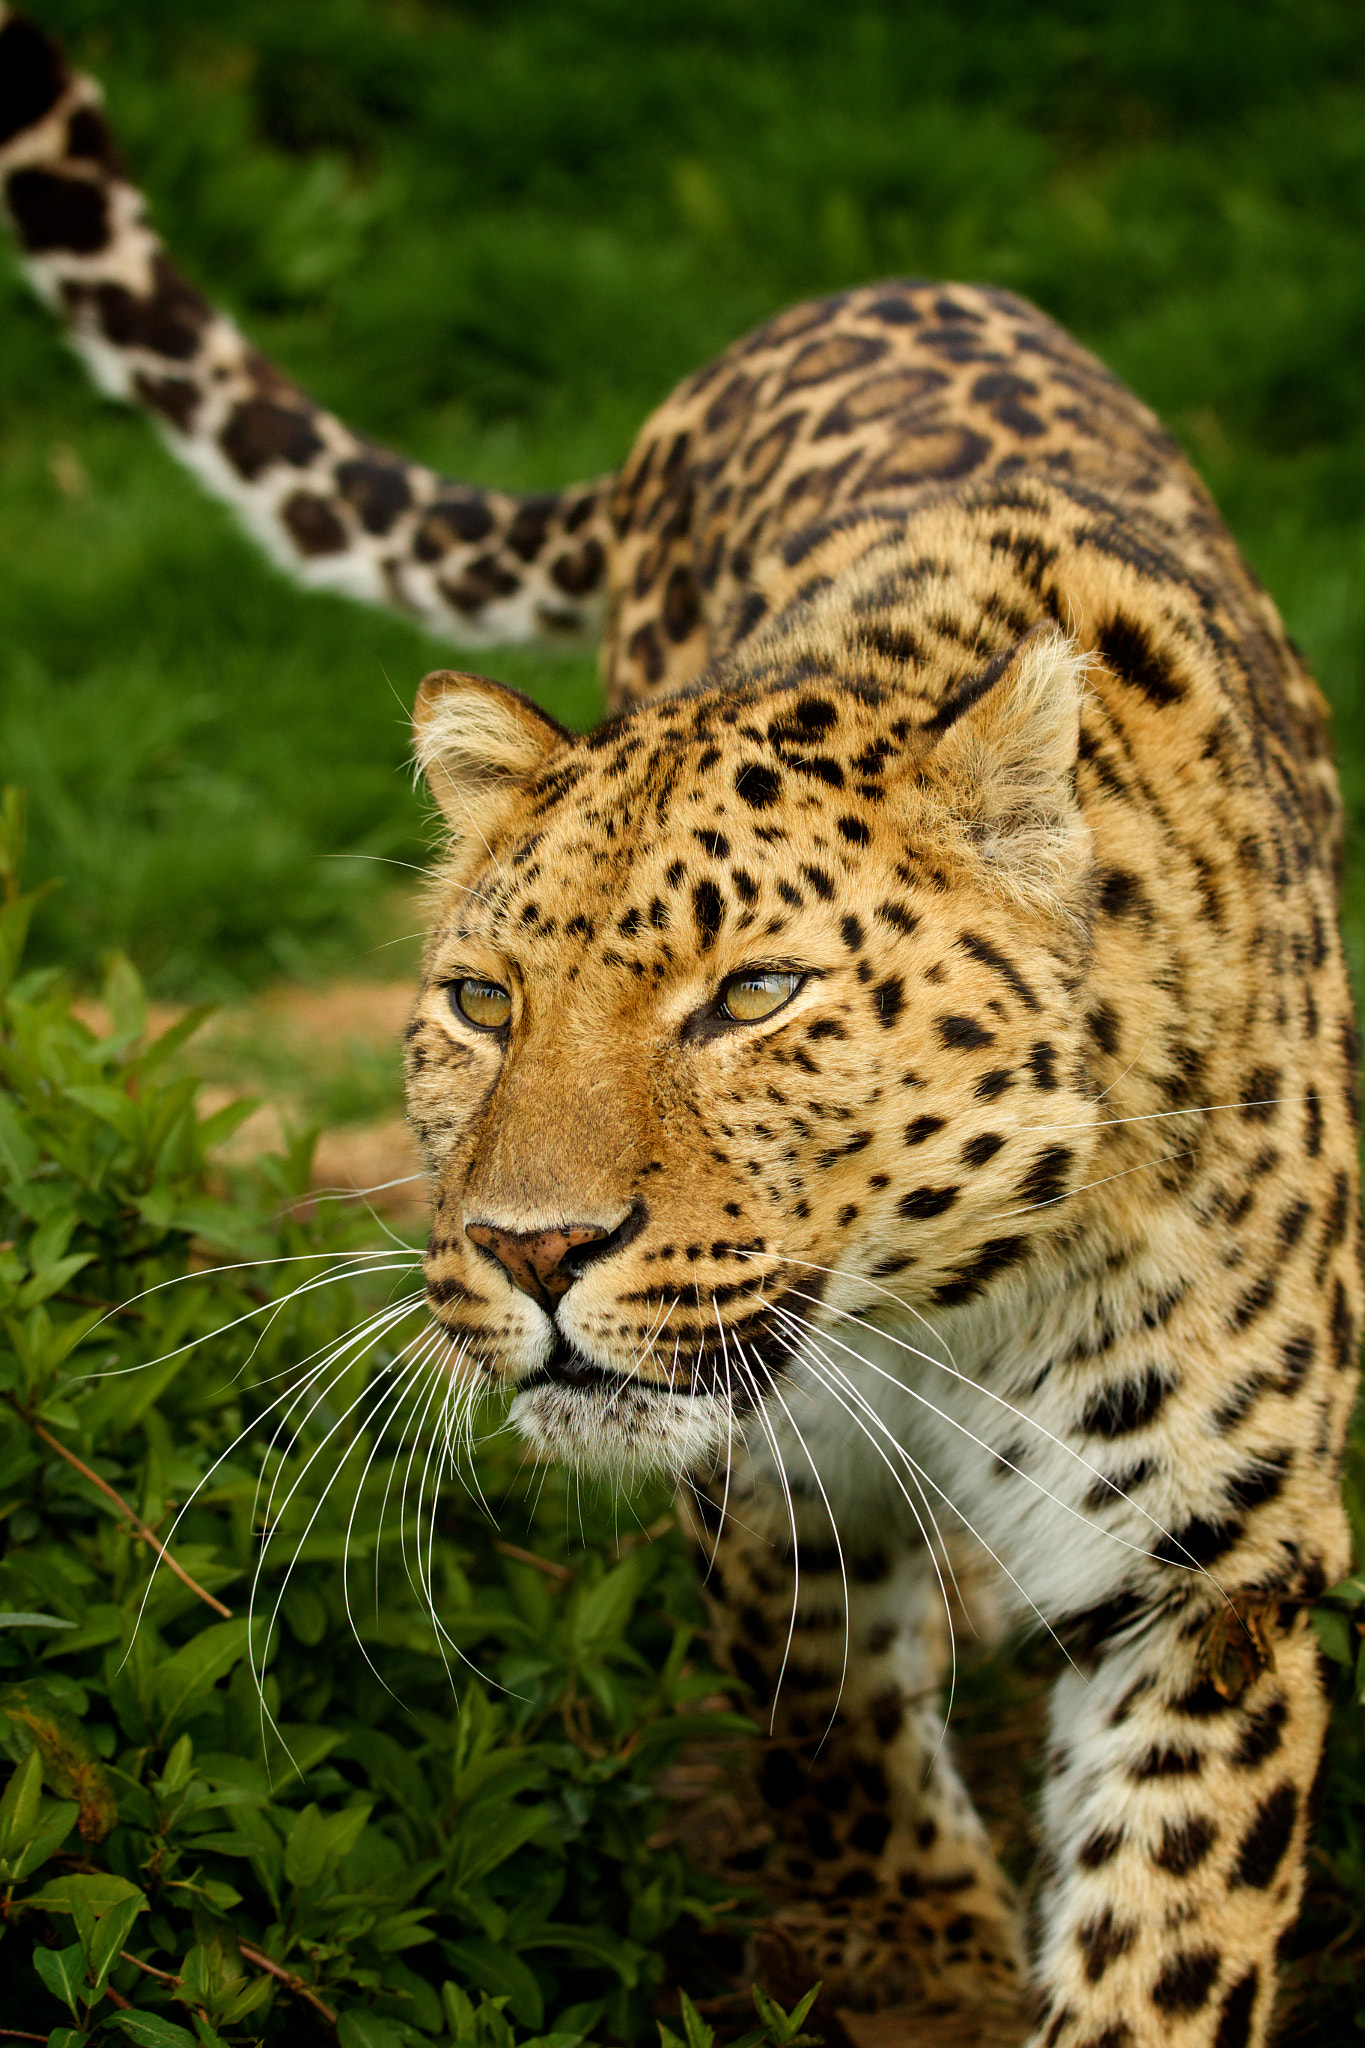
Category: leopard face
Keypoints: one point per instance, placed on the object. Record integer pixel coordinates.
(752, 1008)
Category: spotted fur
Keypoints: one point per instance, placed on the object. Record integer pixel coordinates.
(1010, 1266)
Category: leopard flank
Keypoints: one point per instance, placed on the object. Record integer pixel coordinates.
(897, 1074)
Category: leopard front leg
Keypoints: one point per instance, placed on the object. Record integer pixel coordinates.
(1174, 1823)
(890, 1891)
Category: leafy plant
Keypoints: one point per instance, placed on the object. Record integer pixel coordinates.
(295, 1732)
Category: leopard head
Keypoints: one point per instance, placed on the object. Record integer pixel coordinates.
(749, 1010)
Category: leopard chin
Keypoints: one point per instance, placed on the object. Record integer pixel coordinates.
(620, 1428)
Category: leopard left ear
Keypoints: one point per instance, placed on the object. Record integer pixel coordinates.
(1005, 759)
(477, 743)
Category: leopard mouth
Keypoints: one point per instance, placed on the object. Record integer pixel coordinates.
(566, 1367)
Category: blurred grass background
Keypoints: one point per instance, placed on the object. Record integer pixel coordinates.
(494, 234)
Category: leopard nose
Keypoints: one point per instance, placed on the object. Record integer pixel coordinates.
(539, 1262)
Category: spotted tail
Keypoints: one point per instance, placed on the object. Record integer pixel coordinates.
(329, 507)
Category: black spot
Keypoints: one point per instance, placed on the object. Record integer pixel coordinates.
(259, 432)
(825, 1027)
(1262, 1735)
(868, 1835)
(922, 1203)
(897, 917)
(1185, 1983)
(378, 490)
(854, 831)
(1254, 1301)
(1046, 1178)
(1102, 1941)
(757, 786)
(820, 882)
(963, 1032)
(1042, 1064)
(1101, 1848)
(170, 321)
(313, 524)
(997, 1255)
(1234, 2020)
(994, 1084)
(715, 843)
(1343, 1330)
(1169, 1761)
(1261, 1482)
(1122, 895)
(709, 910)
(580, 569)
(530, 524)
(1198, 1541)
(851, 932)
(989, 956)
(1289, 1227)
(175, 398)
(682, 605)
(1103, 1025)
(1185, 1844)
(32, 76)
(977, 1151)
(448, 521)
(1128, 650)
(52, 212)
(1118, 1410)
(1003, 393)
(746, 888)
(643, 648)
(1264, 1844)
(922, 1127)
(888, 1000)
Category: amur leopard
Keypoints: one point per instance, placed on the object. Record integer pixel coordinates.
(898, 1072)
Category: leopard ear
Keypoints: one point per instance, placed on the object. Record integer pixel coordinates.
(477, 743)
(1005, 758)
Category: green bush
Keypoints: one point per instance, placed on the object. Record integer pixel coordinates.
(346, 1746)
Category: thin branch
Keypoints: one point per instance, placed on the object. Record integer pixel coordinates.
(18, 2034)
(166, 1976)
(559, 1572)
(289, 1980)
(139, 1526)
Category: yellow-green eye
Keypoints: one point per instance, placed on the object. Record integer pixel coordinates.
(481, 1003)
(748, 997)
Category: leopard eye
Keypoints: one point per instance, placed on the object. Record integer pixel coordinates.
(756, 994)
(483, 1004)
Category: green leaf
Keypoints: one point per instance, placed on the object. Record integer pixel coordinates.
(63, 1972)
(603, 1613)
(488, 1835)
(149, 2030)
(99, 1889)
(503, 1973)
(196, 1668)
(370, 2030)
(1334, 1633)
(305, 1852)
(317, 1842)
(10, 1618)
(19, 1806)
(112, 1930)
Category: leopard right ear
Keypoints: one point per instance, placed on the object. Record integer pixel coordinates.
(477, 743)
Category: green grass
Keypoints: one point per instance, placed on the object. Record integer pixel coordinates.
(495, 235)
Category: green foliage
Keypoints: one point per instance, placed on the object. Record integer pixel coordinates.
(496, 236)
(240, 1796)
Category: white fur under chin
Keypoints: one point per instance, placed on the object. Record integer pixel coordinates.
(624, 1435)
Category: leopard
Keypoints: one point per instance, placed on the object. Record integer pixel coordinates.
(896, 1075)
